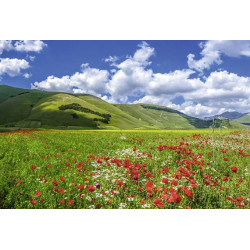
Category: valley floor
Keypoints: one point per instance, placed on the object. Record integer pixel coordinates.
(125, 169)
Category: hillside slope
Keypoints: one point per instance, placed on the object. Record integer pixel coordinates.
(244, 119)
(26, 108)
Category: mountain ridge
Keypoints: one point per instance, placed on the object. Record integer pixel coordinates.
(32, 108)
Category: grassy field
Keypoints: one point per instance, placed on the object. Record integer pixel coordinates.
(125, 169)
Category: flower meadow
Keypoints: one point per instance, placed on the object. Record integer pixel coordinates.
(125, 169)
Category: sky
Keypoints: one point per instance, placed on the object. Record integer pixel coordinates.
(198, 78)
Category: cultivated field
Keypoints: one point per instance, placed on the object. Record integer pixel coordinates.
(125, 169)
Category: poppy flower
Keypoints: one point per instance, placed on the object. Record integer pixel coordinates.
(61, 190)
(38, 194)
(234, 169)
(62, 179)
(188, 193)
(240, 199)
(135, 177)
(33, 202)
(80, 187)
(119, 183)
(71, 202)
(164, 180)
(149, 185)
(55, 182)
(91, 188)
(148, 175)
(62, 201)
(174, 197)
(158, 202)
(33, 167)
(174, 182)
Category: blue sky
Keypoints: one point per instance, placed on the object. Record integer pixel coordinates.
(199, 78)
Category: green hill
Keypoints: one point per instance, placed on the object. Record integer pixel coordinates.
(244, 119)
(26, 108)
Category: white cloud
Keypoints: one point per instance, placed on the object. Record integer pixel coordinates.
(31, 58)
(12, 67)
(133, 78)
(22, 46)
(27, 75)
(90, 80)
(29, 45)
(220, 91)
(212, 51)
(5, 45)
(112, 60)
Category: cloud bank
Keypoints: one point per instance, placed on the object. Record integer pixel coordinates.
(133, 81)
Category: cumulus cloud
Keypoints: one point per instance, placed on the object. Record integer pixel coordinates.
(5, 45)
(89, 80)
(133, 79)
(22, 45)
(131, 76)
(27, 75)
(29, 45)
(112, 60)
(12, 67)
(220, 91)
(212, 51)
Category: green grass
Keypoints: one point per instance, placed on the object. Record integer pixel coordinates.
(22, 108)
(244, 119)
(68, 163)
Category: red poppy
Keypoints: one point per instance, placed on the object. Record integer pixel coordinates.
(38, 194)
(91, 188)
(174, 197)
(135, 177)
(33, 167)
(149, 186)
(188, 193)
(62, 179)
(165, 170)
(148, 175)
(55, 182)
(158, 202)
(61, 190)
(70, 202)
(240, 199)
(62, 201)
(80, 187)
(234, 169)
(119, 183)
(33, 202)
(164, 180)
(225, 178)
(174, 182)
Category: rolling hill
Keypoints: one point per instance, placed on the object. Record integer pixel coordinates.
(26, 108)
(244, 119)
